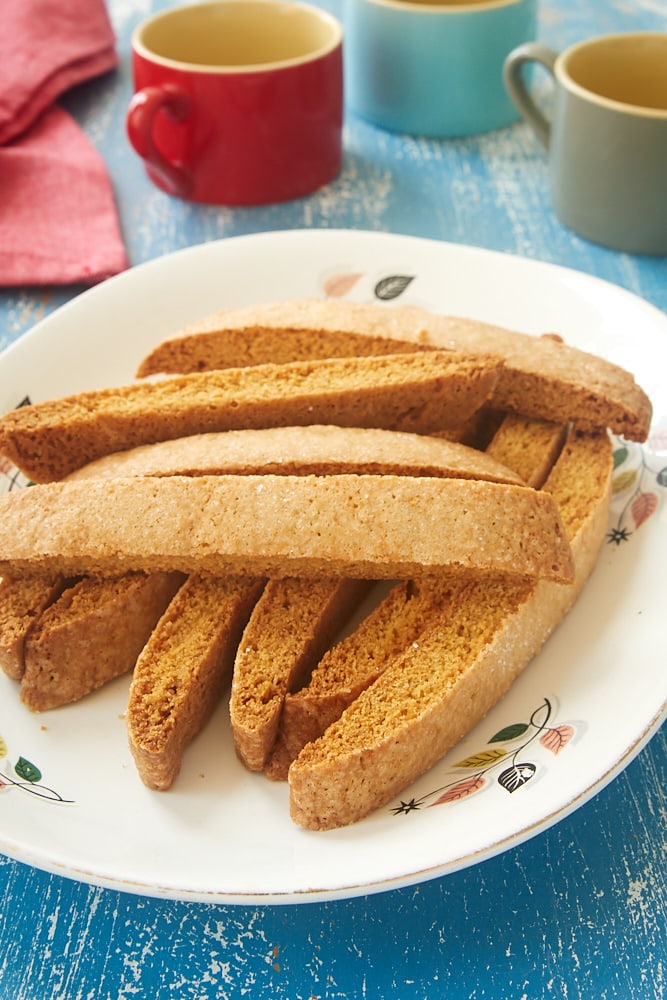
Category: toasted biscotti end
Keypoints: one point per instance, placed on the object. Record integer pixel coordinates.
(290, 627)
(310, 450)
(91, 634)
(21, 604)
(528, 446)
(407, 392)
(425, 703)
(365, 527)
(182, 671)
(546, 378)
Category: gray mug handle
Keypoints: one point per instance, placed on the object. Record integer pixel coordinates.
(519, 91)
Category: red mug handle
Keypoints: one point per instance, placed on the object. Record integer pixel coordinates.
(141, 113)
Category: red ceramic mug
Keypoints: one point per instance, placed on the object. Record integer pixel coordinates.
(238, 102)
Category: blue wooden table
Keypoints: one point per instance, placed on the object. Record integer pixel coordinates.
(580, 911)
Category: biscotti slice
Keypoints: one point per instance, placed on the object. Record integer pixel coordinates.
(282, 332)
(541, 377)
(423, 704)
(411, 392)
(182, 671)
(312, 450)
(21, 604)
(366, 527)
(291, 626)
(528, 446)
(91, 634)
(354, 663)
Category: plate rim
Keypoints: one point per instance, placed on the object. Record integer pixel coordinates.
(24, 343)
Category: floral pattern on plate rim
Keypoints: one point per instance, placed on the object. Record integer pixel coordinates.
(25, 777)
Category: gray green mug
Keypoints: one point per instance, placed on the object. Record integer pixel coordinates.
(606, 135)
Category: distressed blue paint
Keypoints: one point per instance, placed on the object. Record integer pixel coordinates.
(578, 913)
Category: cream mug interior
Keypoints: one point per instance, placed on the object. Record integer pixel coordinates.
(624, 70)
(235, 35)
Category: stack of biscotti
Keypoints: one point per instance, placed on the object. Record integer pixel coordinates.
(306, 442)
(540, 377)
(461, 664)
(398, 621)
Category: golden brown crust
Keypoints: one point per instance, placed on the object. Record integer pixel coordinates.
(290, 628)
(247, 342)
(528, 446)
(296, 451)
(93, 633)
(354, 663)
(182, 671)
(367, 527)
(410, 392)
(429, 699)
(541, 377)
(21, 604)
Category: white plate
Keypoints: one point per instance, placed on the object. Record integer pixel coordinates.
(598, 690)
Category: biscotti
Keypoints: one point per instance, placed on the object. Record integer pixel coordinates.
(541, 377)
(21, 604)
(433, 695)
(528, 446)
(289, 629)
(354, 663)
(367, 527)
(411, 392)
(93, 633)
(182, 671)
(284, 332)
(310, 450)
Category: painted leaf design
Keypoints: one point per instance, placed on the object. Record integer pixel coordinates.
(624, 481)
(339, 285)
(3, 748)
(483, 759)
(557, 739)
(392, 286)
(642, 507)
(27, 771)
(461, 790)
(516, 776)
(509, 733)
(620, 455)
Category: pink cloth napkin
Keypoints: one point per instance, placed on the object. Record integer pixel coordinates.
(58, 218)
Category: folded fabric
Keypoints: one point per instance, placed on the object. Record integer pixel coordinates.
(46, 47)
(58, 220)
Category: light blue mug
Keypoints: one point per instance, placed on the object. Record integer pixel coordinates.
(433, 68)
